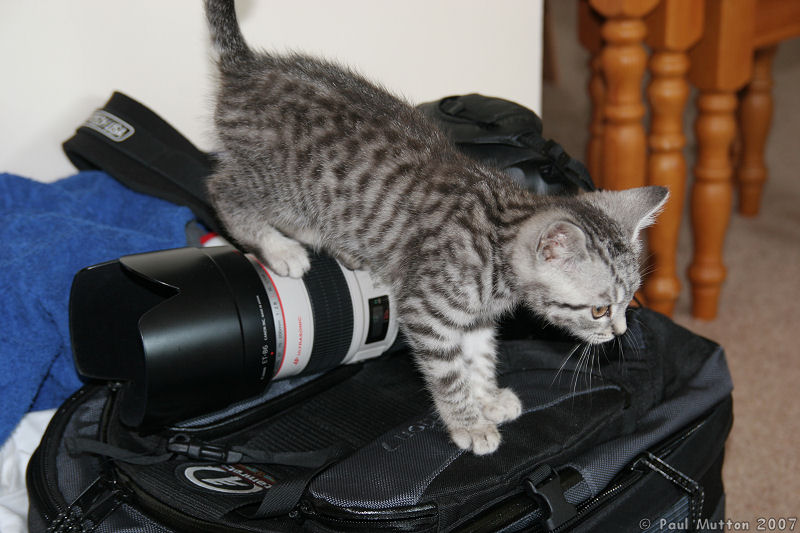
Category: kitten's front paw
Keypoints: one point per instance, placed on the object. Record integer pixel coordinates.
(481, 438)
(287, 258)
(502, 407)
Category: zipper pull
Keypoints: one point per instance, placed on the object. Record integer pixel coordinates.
(197, 449)
(88, 511)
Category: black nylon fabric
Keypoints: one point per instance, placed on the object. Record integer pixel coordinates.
(389, 474)
(508, 136)
(403, 470)
(74, 474)
(415, 462)
(559, 423)
(348, 414)
(153, 158)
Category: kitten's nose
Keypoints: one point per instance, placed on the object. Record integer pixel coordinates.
(619, 327)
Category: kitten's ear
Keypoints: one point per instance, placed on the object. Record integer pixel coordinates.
(634, 209)
(563, 242)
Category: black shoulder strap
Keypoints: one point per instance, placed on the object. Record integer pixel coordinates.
(281, 498)
(137, 147)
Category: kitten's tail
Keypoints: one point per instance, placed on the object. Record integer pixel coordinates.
(225, 33)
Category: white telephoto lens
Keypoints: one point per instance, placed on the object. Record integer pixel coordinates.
(311, 331)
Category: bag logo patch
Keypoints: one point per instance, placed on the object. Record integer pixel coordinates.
(228, 479)
(396, 440)
(109, 125)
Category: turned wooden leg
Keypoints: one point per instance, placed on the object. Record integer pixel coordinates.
(720, 65)
(623, 63)
(667, 94)
(755, 114)
(711, 197)
(594, 148)
(590, 25)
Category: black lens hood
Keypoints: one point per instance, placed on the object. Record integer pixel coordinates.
(183, 330)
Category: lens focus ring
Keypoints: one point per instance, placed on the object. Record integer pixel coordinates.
(332, 307)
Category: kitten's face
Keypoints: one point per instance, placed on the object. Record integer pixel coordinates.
(589, 298)
(582, 279)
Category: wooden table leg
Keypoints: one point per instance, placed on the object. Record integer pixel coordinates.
(720, 66)
(623, 62)
(668, 93)
(589, 24)
(673, 28)
(755, 115)
(711, 198)
(597, 95)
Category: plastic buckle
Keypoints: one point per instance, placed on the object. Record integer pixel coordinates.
(544, 484)
(195, 449)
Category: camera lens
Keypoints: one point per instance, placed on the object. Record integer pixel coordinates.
(191, 330)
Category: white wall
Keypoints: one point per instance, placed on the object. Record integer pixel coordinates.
(61, 59)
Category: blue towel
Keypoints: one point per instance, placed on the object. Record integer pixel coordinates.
(49, 232)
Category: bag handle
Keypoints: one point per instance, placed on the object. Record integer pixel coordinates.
(142, 151)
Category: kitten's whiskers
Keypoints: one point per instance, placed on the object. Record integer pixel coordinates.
(563, 364)
(583, 363)
(621, 350)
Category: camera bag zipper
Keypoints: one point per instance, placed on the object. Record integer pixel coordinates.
(112, 487)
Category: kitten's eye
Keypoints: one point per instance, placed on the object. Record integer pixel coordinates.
(601, 311)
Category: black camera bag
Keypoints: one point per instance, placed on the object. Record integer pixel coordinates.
(509, 136)
(601, 449)
(620, 446)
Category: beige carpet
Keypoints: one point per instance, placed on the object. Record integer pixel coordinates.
(759, 316)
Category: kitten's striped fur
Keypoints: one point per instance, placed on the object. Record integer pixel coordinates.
(312, 152)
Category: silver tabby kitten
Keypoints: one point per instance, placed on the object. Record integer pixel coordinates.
(314, 155)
